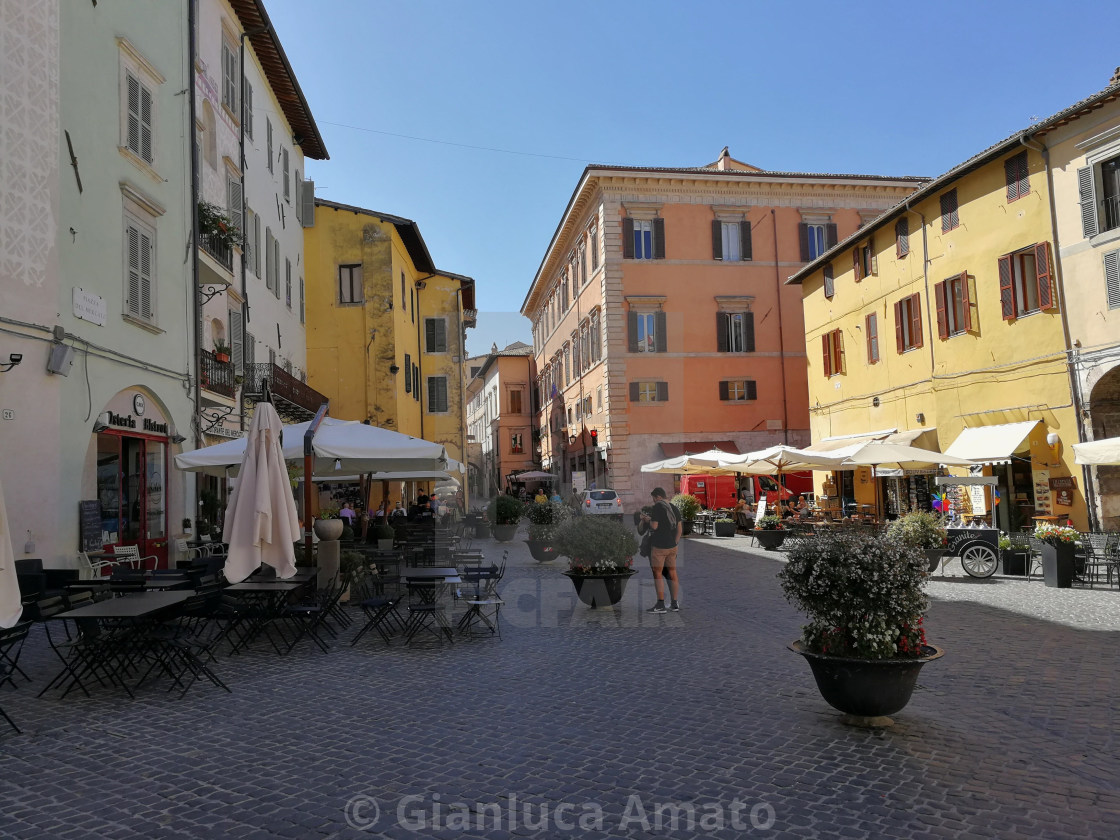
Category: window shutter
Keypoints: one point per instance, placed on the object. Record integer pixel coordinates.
(803, 237)
(145, 124)
(133, 302)
(916, 319)
(950, 217)
(663, 392)
(632, 338)
(902, 237)
(145, 276)
(873, 263)
(1087, 195)
(899, 337)
(407, 373)
(752, 389)
(628, 238)
(237, 340)
(1024, 176)
(717, 239)
(745, 241)
(748, 332)
(1112, 278)
(942, 319)
(871, 338)
(830, 238)
(722, 343)
(724, 393)
(659, 332)
(298, 203)
(966, 300)
(308, 198)
(855, 263)
(659, 239)
(634, 391)
(829, 282)
(1006, 290)
(236, 209)
(840, 360)
(133, 114)
(276, 266)
(1045, 278)
(432, 394)
(1011, 175)
(430, 335)
(827, 354)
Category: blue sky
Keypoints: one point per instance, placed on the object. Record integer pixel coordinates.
(476, 119)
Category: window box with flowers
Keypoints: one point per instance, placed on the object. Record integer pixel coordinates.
(216, 227)
(221, 351)
(1058, 546)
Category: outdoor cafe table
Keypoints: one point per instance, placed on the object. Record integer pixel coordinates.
(438, 578)
(265, 601)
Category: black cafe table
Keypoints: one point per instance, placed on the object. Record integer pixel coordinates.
(264, 601)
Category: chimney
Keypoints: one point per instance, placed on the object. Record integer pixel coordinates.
(1115, 80)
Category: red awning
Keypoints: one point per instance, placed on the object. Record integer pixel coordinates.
(695, 447)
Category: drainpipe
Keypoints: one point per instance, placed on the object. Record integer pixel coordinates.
(781, 330)
(244, 215)
(1072, 357)
(192, 48)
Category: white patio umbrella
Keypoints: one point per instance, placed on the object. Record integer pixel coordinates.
(1101, 453)
(899, 456)
(10, 607)
(777, 459)
(700, 463)
(262, 524)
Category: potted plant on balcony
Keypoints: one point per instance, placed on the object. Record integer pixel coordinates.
(545, 519)
(1058, 545)
(687, 506)
(924, 531)
(600, 552)
(217, 226)
(505, 513)
(221, 351)
(863, 595)
(769, 533)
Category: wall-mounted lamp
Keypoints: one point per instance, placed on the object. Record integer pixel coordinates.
(13, 360)
(101, 424)
(919, 417)
(338, 463)
(177, 438)
(394, 368)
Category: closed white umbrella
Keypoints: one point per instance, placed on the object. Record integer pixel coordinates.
(1101, 453)
(262, 524)
(10, 607)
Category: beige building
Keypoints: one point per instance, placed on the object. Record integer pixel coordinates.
(500, 417)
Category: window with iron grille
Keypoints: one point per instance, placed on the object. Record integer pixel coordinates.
(350, 283)
(950, 217)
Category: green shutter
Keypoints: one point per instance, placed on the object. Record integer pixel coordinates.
(717, 239)
(748, 332)
(659, 239)
(659, 332)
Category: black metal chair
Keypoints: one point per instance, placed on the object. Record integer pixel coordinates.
(308, 619)
(425, 612)
(382, 615)
(11, 645)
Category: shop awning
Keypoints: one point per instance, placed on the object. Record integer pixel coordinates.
(992, 444)
(694, 447)
(845, 446)
(1099, 452)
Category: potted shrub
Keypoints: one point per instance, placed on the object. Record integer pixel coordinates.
(385, 536)
(769, 532)
(600, 554)
(1058, 545)
(545, 519)
(221, 350)
(864, 597)
(725, 527)
(505, 513)
(1013, 557)
(924, 531)
(217, 226)
(687, 506)
(328, 525)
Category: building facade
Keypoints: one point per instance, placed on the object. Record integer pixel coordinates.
(500, 415)
(660, 318)
(386, 329)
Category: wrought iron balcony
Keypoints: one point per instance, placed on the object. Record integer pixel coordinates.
(217, 377)
(294, 401)
(220, 251)
(1110, 212)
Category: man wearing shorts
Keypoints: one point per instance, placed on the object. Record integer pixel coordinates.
(665, 522)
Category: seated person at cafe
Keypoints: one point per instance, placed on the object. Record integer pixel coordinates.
(788, 510)
(540, 498)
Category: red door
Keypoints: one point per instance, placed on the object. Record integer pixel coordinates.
(131, 475)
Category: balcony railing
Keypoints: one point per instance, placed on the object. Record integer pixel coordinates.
(294, 401)
(218, 377)
(220, 251)
(1110, 212)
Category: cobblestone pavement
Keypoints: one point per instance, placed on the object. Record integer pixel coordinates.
(597, 717)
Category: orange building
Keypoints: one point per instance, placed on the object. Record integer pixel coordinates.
(660, 318)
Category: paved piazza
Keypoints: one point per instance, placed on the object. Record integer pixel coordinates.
(599, 724)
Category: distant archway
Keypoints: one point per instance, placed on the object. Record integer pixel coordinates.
(1104, 413)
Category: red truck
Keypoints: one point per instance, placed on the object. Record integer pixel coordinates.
(721, 491)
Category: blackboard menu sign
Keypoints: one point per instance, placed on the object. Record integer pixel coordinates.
(89, 525)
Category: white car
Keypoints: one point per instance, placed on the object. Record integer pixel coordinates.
(600, 503)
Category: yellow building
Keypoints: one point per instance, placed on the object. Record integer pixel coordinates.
(386, 329)
(942, 323)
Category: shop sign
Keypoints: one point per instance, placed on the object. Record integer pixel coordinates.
(1042, 500)
(1063, 487)
(127, 421)
(223, 432)
(89, 307)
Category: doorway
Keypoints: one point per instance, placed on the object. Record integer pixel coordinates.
(132, 492)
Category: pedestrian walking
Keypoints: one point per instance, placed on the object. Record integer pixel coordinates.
(665, 522)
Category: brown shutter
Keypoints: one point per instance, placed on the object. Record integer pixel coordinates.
(632, 326)
(966, 301)
(659, 332)
(1024, 176)
(830, 239)
(723, 392)
(942, 317)
(840, 360)
(659, 239)
(855, 263)
(717, 239)
(748, 332)
(1011, 176)
(663, 392)
(1045, 279)
(871, 327)
(898, 334)
(803, 236)
(916, 319)
(902, 237)
(752, 389)
(827, 355)
(627, 238)
(745, 241)
(1006, 290)
(829, 283)
(634, 392)
(722, 343)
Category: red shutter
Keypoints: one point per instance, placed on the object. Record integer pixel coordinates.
(966, 301)
(899, 338)
(1045, 279)
(942, 319)
(916, 320)
(868, 338)
(827, 354)
(1006, 290)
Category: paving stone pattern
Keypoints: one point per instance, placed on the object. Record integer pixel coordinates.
(599, 714)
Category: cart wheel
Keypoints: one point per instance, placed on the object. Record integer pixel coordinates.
(979, 560)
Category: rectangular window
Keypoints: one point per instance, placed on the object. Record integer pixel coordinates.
(649, 392)
(908, 323)
(1025, 281)
(864, 261)
(276, 267)
(950, 218)
(833, 347)
(229, 76)
(576, 367)
(1018, 182)
(247, 108)
(829, 282)
(350, 283)
(816, 239)
(287, 173)
(302, 314)
(735, 332)
(582, 264)
(594, 239)
(1110, 191)
(416, 382)
(730, 235)
(902, 237)
(437, 394)
(643, 239)
(288, 282)
(268, 141)
(731, 241)
(516, 443)
(564, 300)
(596, 338)
(139, 131)
(954, 306)
(871, 327)
(435, 335)
(567, 364)
(407, 373)
(139, 291)
(647, 332)
(599, 398)
(515, 402)
(738, 390)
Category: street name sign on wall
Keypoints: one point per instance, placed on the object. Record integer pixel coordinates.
(89, 307)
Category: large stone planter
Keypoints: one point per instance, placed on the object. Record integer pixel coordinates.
(866, 690)
(1057, 565)
(601, 590)
(329, 529)
(505, 533)
(542, 550)
(770, 540)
